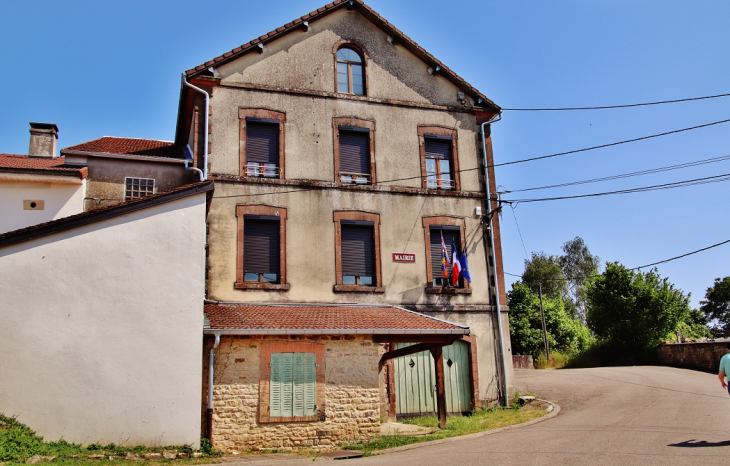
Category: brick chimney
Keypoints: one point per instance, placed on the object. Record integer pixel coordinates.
(43, 137)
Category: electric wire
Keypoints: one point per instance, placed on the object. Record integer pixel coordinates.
(606, 107)
(676, 184)
(626, 175)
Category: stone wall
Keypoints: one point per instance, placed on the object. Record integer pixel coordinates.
(522, 361)
(703, 356)
(352, 396)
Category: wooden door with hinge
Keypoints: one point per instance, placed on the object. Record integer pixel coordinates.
(415, 382)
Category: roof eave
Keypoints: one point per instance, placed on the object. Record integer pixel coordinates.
(344, 331)
(147, 158)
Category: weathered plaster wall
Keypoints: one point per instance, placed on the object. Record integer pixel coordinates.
(352, 406)
(102, 328)
(702, 356)
(59, 200)
(308, 58)
(106, 178)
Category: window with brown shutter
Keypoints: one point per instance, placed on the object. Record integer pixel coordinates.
(439, 158)
(450, 234)
(261, 248)
(453, 229)
(261, 148)
(357, 255)
(354, 155)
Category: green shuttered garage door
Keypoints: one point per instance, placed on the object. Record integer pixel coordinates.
(415, 381)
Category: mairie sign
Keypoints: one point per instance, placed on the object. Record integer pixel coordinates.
(403, 257)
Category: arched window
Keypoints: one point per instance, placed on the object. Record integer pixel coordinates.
(350, 73)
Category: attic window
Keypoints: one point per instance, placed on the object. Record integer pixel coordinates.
(350, 72)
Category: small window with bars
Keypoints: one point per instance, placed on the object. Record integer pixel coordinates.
(138, 187)
(293, 385)
(262, 147)
(451, 236)
(354, 148)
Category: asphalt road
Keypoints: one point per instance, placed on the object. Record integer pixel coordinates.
(609, 416)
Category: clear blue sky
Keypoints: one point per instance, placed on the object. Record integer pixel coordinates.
(113, 68)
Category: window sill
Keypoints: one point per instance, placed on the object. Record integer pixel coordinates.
(266, 419)
(358, 289)
(444, 290)
(261, 286)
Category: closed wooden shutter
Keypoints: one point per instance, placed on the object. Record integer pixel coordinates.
(292, 385)
(438, 148)
(262, 142)
(358, 252)
(449, 235)
(354, 152)
(260, 246)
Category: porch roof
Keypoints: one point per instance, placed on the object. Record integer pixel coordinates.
(322, 319)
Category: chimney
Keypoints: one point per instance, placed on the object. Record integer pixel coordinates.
(43, 137)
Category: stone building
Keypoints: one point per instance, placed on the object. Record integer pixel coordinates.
(344, 156)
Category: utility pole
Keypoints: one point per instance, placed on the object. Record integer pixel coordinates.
(544, 329)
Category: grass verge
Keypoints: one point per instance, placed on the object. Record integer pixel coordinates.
(479, 421)
(19, 443)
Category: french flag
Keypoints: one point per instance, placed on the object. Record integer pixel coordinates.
(455, 264)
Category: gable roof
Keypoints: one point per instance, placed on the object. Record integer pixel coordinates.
(16, 163)
(127, 146)
(322, 319)
(104, 213)
(373, 17)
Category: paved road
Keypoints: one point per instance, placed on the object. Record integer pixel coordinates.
(609, 416)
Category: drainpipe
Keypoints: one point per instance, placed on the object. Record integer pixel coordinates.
(209, 411)
(494, 259)
(204, 173)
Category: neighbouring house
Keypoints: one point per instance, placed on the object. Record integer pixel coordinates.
(344, 156)
(39, 187)
(121, 169)
(102, 317)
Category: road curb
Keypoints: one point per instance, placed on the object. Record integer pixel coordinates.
(550, 415)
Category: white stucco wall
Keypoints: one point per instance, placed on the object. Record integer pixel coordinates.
(101, 335)
(59, 199)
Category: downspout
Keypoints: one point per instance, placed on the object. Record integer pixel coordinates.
(209, 411)
(204, 173)
(494, 258)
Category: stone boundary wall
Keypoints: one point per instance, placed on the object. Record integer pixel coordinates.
(352, 396)
(704, 356)
(522, 361)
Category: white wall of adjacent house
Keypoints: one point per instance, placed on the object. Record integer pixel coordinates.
(101, 338)
(27, 200)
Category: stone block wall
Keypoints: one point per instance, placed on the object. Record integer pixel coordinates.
(703, 356)
(352, 396)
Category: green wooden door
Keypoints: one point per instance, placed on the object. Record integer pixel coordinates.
(415, 381)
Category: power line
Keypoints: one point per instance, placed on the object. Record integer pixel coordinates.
(676, 184)
(606, 107)
(531, 159)
(627, 175)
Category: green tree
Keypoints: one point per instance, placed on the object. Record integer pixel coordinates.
(543, 270)
(578, 265)
(633, 309)
(695, 327)
(564, 333)
(716, 306)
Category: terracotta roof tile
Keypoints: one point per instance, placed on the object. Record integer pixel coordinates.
(16, 162)
(128, 146)
(364, 319)
(384, 24)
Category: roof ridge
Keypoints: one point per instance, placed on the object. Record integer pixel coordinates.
(136, 139)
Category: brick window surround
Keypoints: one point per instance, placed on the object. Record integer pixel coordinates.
(354, 123)
(265, 114)
(423, 131)
(339, 216)
(435, 222)
(241, 212)
(357, 47)
(265, 376)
